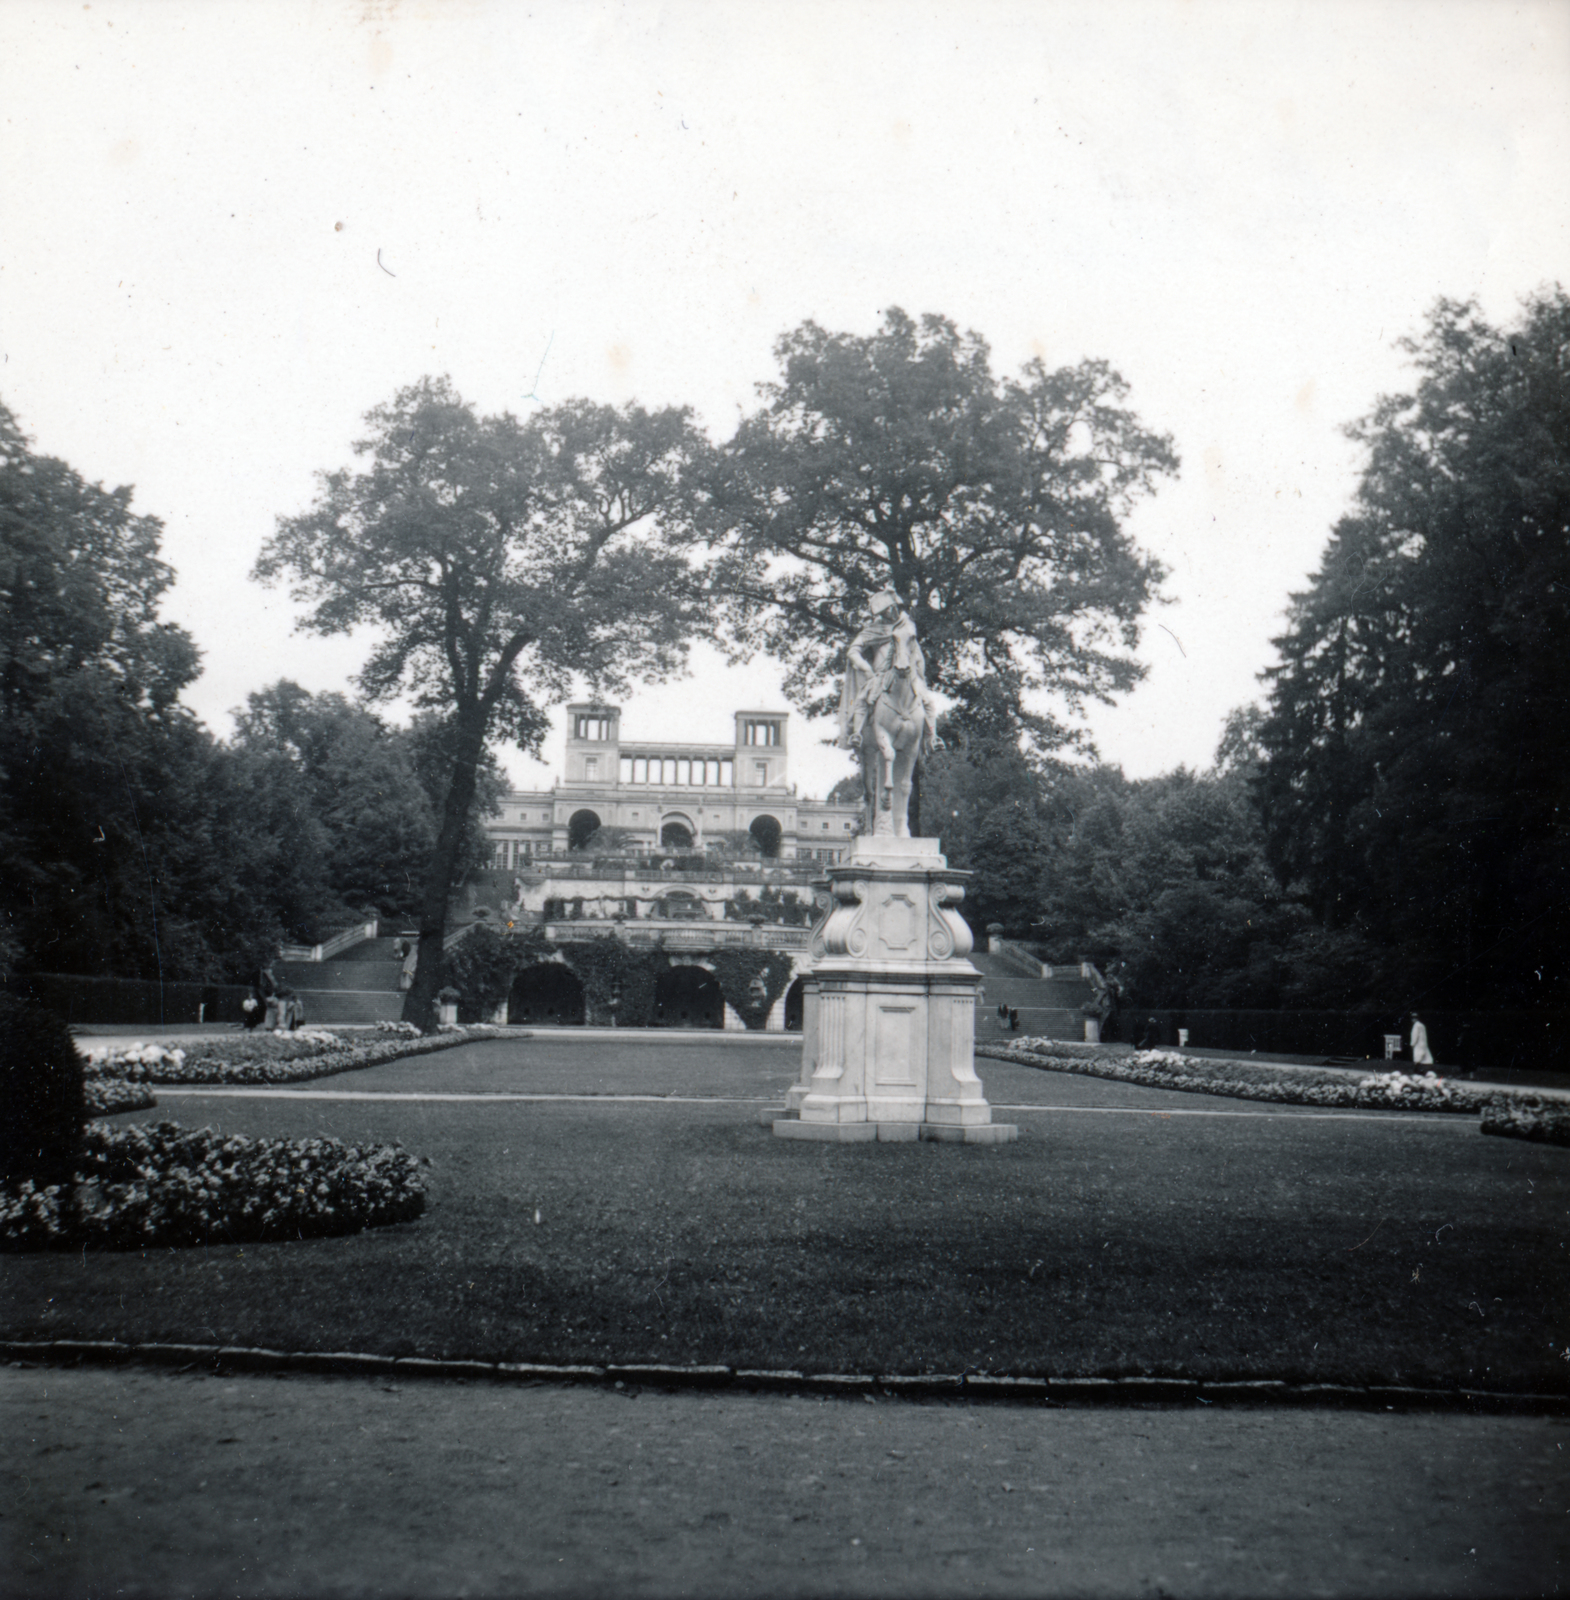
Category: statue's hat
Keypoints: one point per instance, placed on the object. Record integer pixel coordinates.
(884, 597)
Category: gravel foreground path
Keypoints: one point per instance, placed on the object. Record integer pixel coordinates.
(129, 1482)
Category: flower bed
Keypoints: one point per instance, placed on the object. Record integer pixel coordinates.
(166, 1185)
(1244, 1080)
(104, 1096)
(272, 1057)
(1543, 1121)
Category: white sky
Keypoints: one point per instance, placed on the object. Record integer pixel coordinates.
(228, 230)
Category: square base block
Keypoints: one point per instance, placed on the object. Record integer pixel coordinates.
(894, 1132)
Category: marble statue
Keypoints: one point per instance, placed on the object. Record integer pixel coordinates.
(887, 713)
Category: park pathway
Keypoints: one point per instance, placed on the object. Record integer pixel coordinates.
(132, 1483)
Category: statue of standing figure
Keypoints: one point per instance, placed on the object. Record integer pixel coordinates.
(887, 713)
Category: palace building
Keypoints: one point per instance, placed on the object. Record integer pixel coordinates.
(683, 852)
(670, 797)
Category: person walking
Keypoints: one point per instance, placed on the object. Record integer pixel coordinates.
(1422, 1056)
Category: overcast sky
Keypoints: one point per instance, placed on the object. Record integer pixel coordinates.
(228, 230)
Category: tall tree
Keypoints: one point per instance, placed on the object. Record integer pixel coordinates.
(495, 560)
(1415, 784)
(994, 808)
(113, 852)
(359, 783)
(996, 508)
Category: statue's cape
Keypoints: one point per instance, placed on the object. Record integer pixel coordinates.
(872, 638)
(900, 642)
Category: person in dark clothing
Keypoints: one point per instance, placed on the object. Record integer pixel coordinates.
(1013, 1021)
(267, 992)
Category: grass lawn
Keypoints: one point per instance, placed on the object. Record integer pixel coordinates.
(1122, 1234)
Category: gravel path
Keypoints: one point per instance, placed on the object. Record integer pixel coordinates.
(129, 1482)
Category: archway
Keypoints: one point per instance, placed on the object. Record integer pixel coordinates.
(794, 1006)
(549, 993)
(682, 905)
(581, 827)
(766, 833)
(688, 997)
(676, 835)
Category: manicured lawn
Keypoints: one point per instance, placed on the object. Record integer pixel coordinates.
(1121, 1234)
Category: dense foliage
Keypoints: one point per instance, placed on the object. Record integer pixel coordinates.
(131, 842)
(1415, 787)
(347, 806)
(995, 507)
(113, 820)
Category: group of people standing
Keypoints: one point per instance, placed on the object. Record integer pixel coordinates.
(271, 1006)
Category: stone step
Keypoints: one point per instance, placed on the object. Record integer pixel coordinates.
(339, 974)
(383, 949)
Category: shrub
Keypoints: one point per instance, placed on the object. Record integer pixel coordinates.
(42, 1104)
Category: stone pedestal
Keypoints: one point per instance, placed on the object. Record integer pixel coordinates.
(889, 1010)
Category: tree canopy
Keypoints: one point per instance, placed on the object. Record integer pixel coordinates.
(995, 507)
(1415, 786)
(121, 847)
(494, 561)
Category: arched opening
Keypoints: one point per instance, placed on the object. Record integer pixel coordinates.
(547, 994)
(793, 1006)
(684, 905)
(676, 835)
(581, 827)
(766, 832)
(688, 997)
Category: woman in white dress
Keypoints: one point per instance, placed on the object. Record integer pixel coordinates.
(1421, 1055)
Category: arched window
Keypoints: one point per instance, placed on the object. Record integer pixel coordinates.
(581, 827)
(766, 831)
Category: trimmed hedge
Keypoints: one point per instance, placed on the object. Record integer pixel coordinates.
(134, 1002)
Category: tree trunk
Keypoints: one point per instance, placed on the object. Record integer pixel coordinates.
(419, 1003)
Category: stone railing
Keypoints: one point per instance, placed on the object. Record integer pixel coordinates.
(1022, 959)
(684, 935)
(564, 869)
(331, 947)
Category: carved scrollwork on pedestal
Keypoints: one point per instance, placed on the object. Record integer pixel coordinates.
(948, 934)
(857, 937)
(822, 904)
(840, 929)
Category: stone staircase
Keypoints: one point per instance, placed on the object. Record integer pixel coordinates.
(359, 984)
(1047, 1007)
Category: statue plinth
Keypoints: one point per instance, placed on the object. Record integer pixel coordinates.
(889, 1014)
